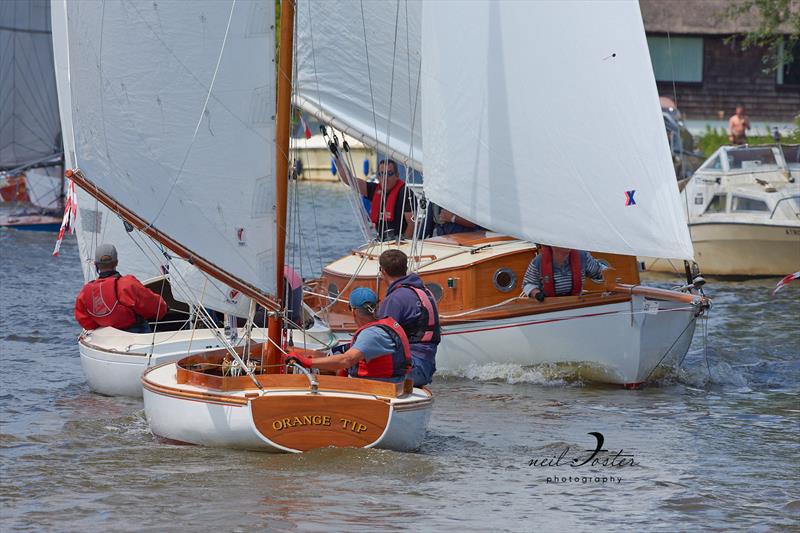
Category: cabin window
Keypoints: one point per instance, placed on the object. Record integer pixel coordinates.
(504, 280)
(718, 204)
(714, 163)
(333, 290)
(436, 290)
(791, 154)
(740, 203)
(678, 59)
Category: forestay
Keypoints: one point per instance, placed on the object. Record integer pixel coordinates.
(173, 115)
(358, 68)
(541, 120)
(29, 126)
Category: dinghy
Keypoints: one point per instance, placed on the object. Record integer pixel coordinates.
(185, 197)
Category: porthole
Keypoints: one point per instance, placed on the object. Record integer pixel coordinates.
(436, 290)
(333, 290)
(504, 280)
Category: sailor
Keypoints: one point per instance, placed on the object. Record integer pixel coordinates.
(410, 303)
(391, 204)
(560, 272)
(114, 300)
(379, 348)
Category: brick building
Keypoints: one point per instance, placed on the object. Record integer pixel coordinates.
(708, 76)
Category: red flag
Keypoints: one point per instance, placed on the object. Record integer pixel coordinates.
(785, 281)
(70, 211)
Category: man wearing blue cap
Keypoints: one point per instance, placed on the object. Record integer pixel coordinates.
(379, 349)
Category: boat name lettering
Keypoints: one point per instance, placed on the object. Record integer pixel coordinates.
(305, 420)
(352, 425)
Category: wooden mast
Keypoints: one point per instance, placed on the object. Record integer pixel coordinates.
(282, 128)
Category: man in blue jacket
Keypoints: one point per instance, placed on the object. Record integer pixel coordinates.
(413, 306)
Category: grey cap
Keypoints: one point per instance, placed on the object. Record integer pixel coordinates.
(105, 254)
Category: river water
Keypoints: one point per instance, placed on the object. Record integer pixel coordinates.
(713, 448)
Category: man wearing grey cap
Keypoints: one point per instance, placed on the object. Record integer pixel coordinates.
(116, 301)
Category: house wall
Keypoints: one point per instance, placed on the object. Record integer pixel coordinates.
(730, 77)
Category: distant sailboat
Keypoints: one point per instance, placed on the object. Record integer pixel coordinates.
(539, 120)
(189, 151)
(31, 156)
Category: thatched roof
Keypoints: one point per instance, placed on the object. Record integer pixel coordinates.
(705, 17)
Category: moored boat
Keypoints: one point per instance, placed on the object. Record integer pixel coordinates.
(744, 212)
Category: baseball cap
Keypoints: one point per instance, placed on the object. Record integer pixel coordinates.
(105, 254)
(363, 297)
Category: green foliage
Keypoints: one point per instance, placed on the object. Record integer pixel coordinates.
(713, 138)
(770, 16)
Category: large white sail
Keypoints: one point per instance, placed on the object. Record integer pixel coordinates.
(29, 126)
(173, 115)
(541, 120)
(358, 68)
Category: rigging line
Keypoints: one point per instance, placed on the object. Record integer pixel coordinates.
(202, 115)
(669, 349)
(314, 54)
(705, 342)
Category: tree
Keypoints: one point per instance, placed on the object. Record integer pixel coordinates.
(776, 28)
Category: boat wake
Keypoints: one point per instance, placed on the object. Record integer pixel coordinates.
(716, 373)
(550, 374)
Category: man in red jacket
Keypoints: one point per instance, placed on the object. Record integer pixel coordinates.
(114, 300)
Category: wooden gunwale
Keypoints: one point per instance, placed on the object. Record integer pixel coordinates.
(660, 294)
(111, 350)
(238, 401)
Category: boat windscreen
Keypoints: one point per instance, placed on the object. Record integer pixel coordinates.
(791, 153)
(752, 159)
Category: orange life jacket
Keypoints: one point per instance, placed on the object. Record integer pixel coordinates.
(391, 364)
(391, 200)
(546, 268)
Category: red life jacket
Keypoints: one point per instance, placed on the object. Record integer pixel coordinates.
(427, 329)
(395, 364)
(546, 268)
(391, 200)
(101, 302)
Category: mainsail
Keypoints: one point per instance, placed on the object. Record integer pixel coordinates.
(541, 120)
(29, 125)
(174, 118)
(358, 68)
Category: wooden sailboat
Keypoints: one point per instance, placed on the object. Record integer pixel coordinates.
(113, 360)
(31, 157)
(237, 396)
(563, 148)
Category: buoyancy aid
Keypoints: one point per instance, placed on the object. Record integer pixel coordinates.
(546, 268)
(427, 329)
(389, 365)
(101, 302)
(391, 201)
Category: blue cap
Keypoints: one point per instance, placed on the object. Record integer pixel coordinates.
(363, 297)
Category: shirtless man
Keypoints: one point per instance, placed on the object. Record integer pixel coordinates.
(738, 125)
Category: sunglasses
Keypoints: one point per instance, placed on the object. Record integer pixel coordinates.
(388, 173)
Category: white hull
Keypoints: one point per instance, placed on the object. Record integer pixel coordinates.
(113, 360)
(225, 419)
(618, 343)
(740, 249)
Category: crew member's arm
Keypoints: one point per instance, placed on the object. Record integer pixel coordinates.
(144, 302)
(592, 268)
(447, 216)
(84, 318)
(532, 280)
(360, 184)
(330, 363)
(730, 128)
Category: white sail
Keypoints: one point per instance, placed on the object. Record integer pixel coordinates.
(358, 68)
(540, 119)
(44, 187)
(29, 125)
(173, 115)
